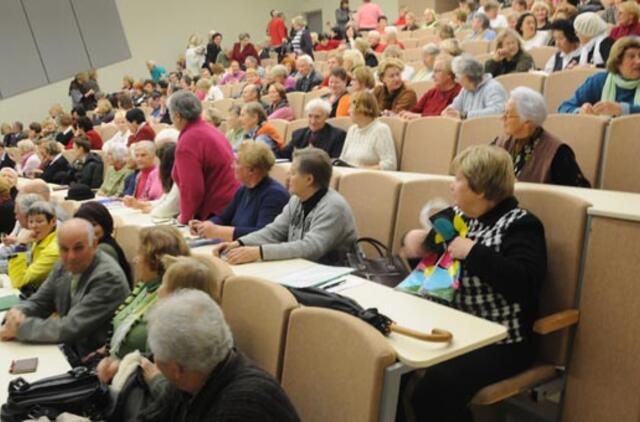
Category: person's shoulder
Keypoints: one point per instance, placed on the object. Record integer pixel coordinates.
(597, 78)
(276, 187)
(107, 267)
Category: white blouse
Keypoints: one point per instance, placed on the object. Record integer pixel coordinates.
(539, 40)
(370, 145)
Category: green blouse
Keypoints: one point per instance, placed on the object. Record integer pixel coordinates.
(113, 183)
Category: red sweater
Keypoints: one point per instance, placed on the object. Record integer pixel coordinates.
(145, 133)
(240, 55)
(434, 101)
(203, 171)
(277, 31)
(331, 45)
(93, 137)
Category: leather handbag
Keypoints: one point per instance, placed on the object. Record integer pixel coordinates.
(386, 269)
(78, 391)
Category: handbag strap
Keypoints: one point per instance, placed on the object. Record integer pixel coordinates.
(380, 247)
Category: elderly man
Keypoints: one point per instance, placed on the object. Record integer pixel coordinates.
(140, 129)
(76, 302)
(146, 185)
(204, 160)
(209, 380)
(55, 166)
(317, 224)
(250, 93)
(319, 133)
(309, 77)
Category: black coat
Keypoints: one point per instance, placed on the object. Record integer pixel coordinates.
(7, 161)
(56, 172)
(89, 173)
(330, 139)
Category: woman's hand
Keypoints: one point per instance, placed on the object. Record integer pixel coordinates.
(243, 254)
(107, 369)
(610, 108)
(149, 370)
(204, 229)
(451, 112)
(460, 247)
(587, 108)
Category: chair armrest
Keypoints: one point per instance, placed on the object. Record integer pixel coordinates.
(557, 321)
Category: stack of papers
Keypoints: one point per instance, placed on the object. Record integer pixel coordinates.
(313, 276)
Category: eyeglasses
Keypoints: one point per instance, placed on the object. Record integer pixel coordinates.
(506, 116)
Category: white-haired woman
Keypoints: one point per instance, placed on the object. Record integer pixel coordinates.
(481, 95)
(29, 160)
(538, 156)
(117, 156)
(480, 25)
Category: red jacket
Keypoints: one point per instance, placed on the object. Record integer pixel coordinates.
(145, 133)
(203, 171)
(277, 31)
(332, 45)
(434, 101)
(240, 56)
(93, 137)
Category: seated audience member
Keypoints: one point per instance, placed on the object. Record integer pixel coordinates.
(628, 25)
(542, 11)
(250, 93)
(87, 168)
(116, 159)
(368, 54)
(208, 379)
(338, 95)
(595, 43)
(251, 63)
(65, 135)
(36, 249)
(568, 44)
(103, 113)
(480, 25)
(326, 43)
(147, 185)
(212, 116)
(83, 289)
(362, 79)
(391, 38)
(130, 335)
(566, 11)
(429, 53)
(538, 156)
(202, 88)
(436, 99)
(17, 134)
(10, 176)
(214, 93)
(244, 48)
(369, 142)
(351, 60)
(611, 93)
(234, 74)
(100, 218)
(308, 76)
(318, 134)
(481, 95)
(257, 127)
(317, 224)
(393, 52)
(26, 198)
(531, 37)
(122, 134)
(34, 132)
(280, 74)
(29, 160)
(7, 206)
(509, 56)
(138, 126)
(85, 128)
(155, 70)
(55, 166)
(496, 21)
(451, 47)
(505, 275)
(430, 19)
(257, 203)
(235, 131)
(446, 32)
(393, 96)
(5, 160)
(375, 41)
(279, 107)
(203, 160)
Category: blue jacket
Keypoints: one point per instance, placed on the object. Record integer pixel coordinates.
(591, 92)
(252, 209)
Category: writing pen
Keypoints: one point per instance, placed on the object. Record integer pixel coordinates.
(332, 285)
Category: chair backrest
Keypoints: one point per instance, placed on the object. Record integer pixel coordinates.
(224, 105)
(411, 54)
(560, 86)
(463, 34)
(483, 57)
(620, 170)
(320, 55)
(157, 127)
(397, 127)
(433, 38)
(429, 145)
(128, 237)
(280, 172)
(585, 135)
(258, 312)
(295, 125)
(266, 63)
(421, 87)
(360, 189)
(564, 218)
(424, 32)
(541, 55)
(296, 101)
(107, 131)
(280, 126)
(226, 90)
(343, 123)
(317, 93)
(479, 131)
(410, 43)
(236, 89)
(69, 154)
(510, 81)
(405, 35)
(475, 47)
(334, 366)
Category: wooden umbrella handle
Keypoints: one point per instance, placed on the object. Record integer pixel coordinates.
(437, 335)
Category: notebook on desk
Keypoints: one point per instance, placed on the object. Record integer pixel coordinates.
(313, 276)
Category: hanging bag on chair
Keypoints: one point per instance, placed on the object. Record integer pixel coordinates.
(385, 269)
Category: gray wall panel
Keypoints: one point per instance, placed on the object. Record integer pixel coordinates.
(102, 31)
(58, 38)
(20, 67)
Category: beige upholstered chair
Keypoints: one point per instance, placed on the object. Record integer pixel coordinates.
(421, 87)
(280, 126)
(560, 86)
(541, 55)
(411, 54)
(317, 93)
(223, 105)
(343, 123)
(258, 312)
(295, 125)
(157, 127)
(107, 131)
(280, 172)
(325, 383)
(429, 145)
(620, 169)
(510, 81)
(475, 47)
(128, 237)
(410, 43)
(479, 131)
(483, 57)
(397, 127)
(296, 102)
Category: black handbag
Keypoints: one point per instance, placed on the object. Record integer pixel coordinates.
(387, 269)
(79, 391)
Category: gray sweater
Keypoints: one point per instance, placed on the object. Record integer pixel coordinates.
(84, 319)
(325, 235)
(489, 98)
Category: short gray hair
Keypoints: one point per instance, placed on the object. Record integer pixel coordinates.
(484, 19)
(41, 207)
(52, 148)
(318, 103)
(530, 105)
(118, 151)
(186, 104)
(469, 66)
(316, 162)
(431, 49)
(148, 145)
(189, 329)
(279, 70)
(91, 234)
(306, 58)
(26, 200)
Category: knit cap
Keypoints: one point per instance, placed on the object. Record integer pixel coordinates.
(589, 24)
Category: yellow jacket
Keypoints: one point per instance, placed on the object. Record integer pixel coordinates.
(44, 255)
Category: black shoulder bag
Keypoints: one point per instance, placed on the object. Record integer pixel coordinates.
(386, 269)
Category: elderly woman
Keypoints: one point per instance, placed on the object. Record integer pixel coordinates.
(103, 113)
(234, 74)
(87, 168)
(425, 73)
(505, 275)
(147, 185)
(352, 59)
(362, 79)
(480, 96)
(480, 25)
(509, 56)
(430, 19)
(129, 325)
(117, 170)
(279, 107)
(391, 38)
(235, 131)
(339, 96)
(568, 44)
(257, 203)
(615, 92)
(280, 74)
(256, 127)
(628, 25)
(542, 11)
(369, 142)
(29, 160)
(393, 95)
(369, 56)
(538, 156)
(316, 224)
(531, 37)
(393, 52)
(36, 250)
(436, 99)
(318, 133)
(244, 48)
(594, 41)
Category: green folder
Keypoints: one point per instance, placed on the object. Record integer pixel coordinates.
(8, 302)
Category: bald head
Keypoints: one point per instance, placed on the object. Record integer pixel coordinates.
(37, 186)
(77, 244)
